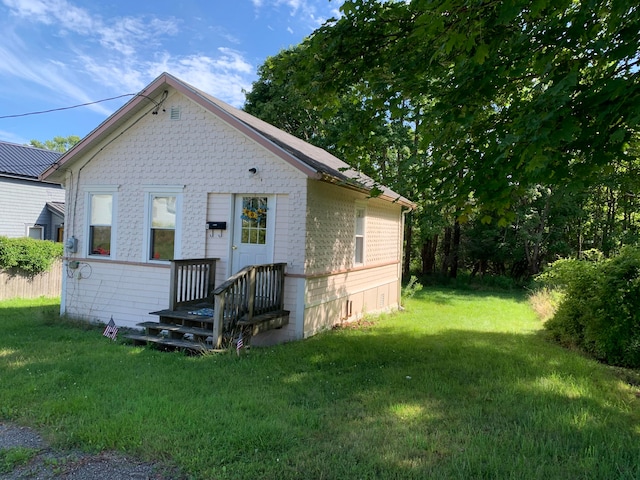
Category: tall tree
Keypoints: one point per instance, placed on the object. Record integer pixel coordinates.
(525, 92)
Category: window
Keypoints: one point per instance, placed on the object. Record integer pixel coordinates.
(36, 231)
(359, 236)
(100, 220)
(254, 220)
(100, 217)
(162, 223)
(163, 228)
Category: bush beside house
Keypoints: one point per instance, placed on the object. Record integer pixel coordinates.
(600, 309)
(30, 268)
(27, 255)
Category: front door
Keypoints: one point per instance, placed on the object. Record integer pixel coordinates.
(253, 231)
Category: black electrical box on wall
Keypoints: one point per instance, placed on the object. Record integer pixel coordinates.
(217, 225)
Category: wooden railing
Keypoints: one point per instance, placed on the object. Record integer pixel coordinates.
(253, 291)
(192, 282)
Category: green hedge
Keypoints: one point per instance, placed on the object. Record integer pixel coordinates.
(28, 255)
(600, 309)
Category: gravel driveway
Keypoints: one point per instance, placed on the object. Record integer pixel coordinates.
(48, 463)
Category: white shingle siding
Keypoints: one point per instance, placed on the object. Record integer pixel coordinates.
(212, 161)
(334, 279)
(314, 223)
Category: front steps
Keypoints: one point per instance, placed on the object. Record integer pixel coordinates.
(192, 330)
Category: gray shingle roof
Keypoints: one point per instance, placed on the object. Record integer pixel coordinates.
(23, 161)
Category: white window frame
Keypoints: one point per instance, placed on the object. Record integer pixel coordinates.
(101, 190)
(359, 233)
(152, 191)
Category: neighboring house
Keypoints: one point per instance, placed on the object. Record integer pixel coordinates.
(30, 207)
(178, 174)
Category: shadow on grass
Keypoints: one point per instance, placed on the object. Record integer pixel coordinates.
(381, 402)
(465, 404)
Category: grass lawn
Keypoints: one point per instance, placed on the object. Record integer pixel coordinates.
(460, 385)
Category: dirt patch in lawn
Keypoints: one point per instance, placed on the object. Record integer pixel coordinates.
(25, 454)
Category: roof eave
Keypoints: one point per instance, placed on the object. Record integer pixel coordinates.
(399, 199)
(154, 87)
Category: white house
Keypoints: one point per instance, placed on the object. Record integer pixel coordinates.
(177, 174)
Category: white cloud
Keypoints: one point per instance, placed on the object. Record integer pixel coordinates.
(48, 76)
(12, 137)
(313, 12)
(112, 56)
(123, 34)
(224, 77)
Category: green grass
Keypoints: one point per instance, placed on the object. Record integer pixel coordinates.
(460, 385)
(12, 458)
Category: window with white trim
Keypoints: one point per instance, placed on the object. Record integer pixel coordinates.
(100, 224)
(358, 258)
(162, 226)
(35, 231)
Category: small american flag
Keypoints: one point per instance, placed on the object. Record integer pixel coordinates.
(240, 343)
(111, 331)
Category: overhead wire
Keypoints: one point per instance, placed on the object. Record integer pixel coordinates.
(80, 105)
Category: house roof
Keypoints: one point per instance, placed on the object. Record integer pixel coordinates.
(56, 207)
(22, 161)
(313, 161)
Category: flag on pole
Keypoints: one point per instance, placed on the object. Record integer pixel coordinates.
(239, 343)
(111, 331)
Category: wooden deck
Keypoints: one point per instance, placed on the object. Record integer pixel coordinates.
(201, 318)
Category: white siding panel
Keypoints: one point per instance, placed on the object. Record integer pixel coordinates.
(99, 290)
(212, 161)
(370, 291)
(24, 203)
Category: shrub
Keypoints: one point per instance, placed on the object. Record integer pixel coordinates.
(544, 302)
(411, 288)
(600, 309)
(28, 255)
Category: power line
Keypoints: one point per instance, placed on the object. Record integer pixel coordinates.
(74, 106)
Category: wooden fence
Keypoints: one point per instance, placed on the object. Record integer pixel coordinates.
(16, 285)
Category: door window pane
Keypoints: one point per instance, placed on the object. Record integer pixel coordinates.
(254, 220)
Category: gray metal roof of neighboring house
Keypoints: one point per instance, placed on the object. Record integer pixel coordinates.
(56, 207)
(24, 161)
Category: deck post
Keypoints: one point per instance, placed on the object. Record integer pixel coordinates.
(173, 286)
(251, 299)
(218, 319)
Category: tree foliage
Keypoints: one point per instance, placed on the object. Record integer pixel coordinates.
(57, 144)
(521, 111)
(521, 92)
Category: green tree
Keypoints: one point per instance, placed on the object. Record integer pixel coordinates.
(57, 144)
(524, 92)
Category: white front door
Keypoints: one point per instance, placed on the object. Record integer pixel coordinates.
(253, 230)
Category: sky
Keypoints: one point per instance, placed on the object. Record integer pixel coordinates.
(56, 54)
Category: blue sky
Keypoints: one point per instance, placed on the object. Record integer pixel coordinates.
(60, 53)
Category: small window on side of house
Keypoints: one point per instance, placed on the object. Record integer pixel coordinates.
(359, 236)
(101, 218)
(163, 227)
(36, 232)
